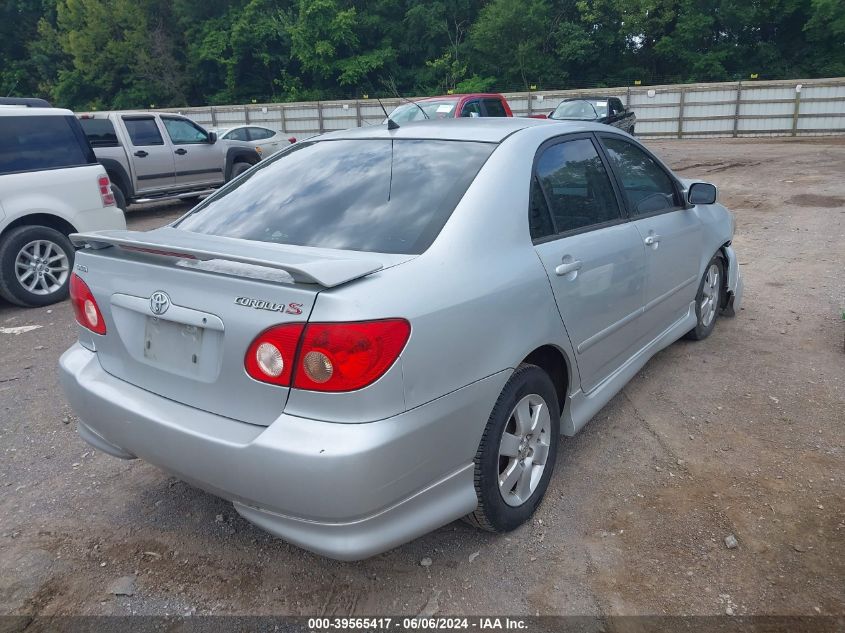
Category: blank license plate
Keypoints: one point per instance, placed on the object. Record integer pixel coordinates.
(174, 346)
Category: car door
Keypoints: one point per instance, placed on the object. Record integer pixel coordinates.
(593, 256)
(671, 233)
(471, 108)
(151, 157)
(198, 161)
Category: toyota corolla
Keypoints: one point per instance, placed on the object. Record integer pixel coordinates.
(381, 330)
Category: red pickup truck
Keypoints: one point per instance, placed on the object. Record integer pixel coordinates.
(452, 106)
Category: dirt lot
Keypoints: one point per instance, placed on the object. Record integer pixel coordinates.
(740, 434)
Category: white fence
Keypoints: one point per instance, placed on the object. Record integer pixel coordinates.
(759, 108)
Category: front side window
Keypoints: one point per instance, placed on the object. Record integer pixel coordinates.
(184, 132)
(259, 133)
(31, 143)
(576, 185)
(471, 109)
(143, 132)
(648, 188)
(238, 134)
(378, 195)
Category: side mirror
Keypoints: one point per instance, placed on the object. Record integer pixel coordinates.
(702, 193)
(212, 138)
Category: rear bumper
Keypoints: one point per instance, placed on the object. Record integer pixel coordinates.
(347, 491)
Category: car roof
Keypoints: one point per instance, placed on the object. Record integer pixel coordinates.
(458, 96)
(588, 97)
(483, 129)
(17, 110)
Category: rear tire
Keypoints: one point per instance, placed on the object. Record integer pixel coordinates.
(517, 453)
(709, 299)
(35, 266)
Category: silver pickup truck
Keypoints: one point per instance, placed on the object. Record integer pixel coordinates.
(161, 156)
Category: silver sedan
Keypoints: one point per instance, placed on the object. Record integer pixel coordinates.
(382, 330)
(263, 139)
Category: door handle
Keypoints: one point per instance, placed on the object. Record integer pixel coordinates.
(651, 240)
(181, 151)
(568, 267)
(141, 153)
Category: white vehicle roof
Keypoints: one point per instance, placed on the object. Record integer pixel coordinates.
(15, 110)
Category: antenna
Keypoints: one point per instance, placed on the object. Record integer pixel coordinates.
(391, 124)
(392, 85)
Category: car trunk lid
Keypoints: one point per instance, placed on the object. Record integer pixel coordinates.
(182, 308)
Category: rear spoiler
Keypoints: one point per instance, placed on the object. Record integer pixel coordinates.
(304, 268)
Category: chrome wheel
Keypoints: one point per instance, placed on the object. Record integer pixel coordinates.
(523, 449)
(42, 267)
(710, 294)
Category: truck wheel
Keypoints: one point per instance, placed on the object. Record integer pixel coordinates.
(517, 453)
(119, 198)
(238, 169)
(35, 266)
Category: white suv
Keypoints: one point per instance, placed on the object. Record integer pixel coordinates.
(50, 186)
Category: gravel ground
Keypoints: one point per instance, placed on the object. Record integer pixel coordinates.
(738, 435)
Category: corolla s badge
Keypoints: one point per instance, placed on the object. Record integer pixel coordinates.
(159, 302)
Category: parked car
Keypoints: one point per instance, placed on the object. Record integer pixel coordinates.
(161, 156)
(452, 106)
(263, 139)
(387, 329)
(607, 110)
(50, 186)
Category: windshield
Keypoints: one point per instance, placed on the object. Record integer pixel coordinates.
(582, 109)
(373, 195)
(442, 109)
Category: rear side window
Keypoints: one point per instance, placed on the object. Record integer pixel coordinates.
(648, 188)
(143, 131)
(494, 107)
(378, 195)
(259, 133)
(100, 132)
(32, 143)
(576, 186)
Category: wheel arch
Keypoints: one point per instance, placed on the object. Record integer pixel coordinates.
(554, 362)
(118, 176)
(239, 155)
(40, 219)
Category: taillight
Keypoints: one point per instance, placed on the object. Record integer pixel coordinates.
(292, 139)
(85, 307)
(348, 356)
(331, 356)
(271, 355)
(105, 190)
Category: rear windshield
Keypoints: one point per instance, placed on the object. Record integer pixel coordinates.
(373, 195)
(100, 132)
(33, 143)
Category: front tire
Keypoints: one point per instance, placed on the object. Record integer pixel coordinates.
(517, 453)
(708, 299)
(35, 266)
(238, 169)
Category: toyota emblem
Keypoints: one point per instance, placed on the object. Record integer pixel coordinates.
(159, 302)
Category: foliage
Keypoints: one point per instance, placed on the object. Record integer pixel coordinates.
(98, 54)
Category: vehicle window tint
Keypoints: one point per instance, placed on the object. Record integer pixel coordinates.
(577, 185)
(616, 106)
(539, 218)
(494, 107)
(239, 134)
(471, 109)
(259, 133)
(184, 132)
(363, 195)
(647, 186)
(143, 132)
(100, 132)
(30, 143)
